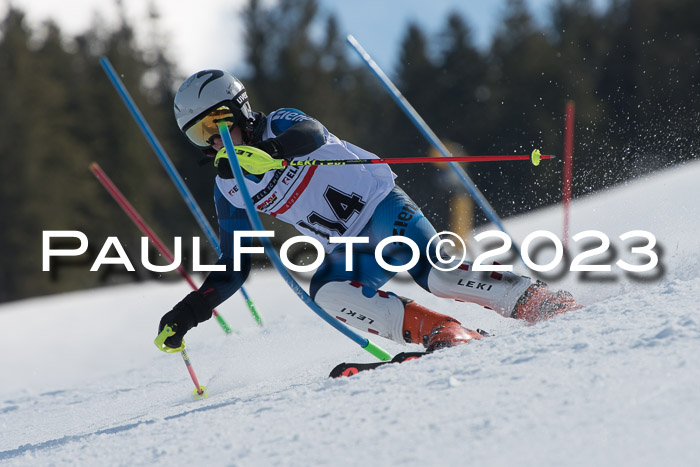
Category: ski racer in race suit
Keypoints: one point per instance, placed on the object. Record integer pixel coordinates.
(324, 202)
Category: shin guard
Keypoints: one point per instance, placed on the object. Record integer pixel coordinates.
(498, 291)
(364, 308)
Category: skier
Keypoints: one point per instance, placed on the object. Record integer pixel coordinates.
(324, 202)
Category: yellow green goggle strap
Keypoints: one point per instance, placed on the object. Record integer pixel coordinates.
(253, 160)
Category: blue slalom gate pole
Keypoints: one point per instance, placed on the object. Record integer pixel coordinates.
(169, 168)
(427, 132)
(363, 342)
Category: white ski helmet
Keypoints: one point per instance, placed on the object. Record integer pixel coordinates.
(206, 98)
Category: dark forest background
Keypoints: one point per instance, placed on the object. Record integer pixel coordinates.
(632, 69)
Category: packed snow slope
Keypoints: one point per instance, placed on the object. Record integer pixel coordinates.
(615, 383)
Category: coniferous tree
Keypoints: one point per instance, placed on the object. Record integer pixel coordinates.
(65, 114)
(632, 69)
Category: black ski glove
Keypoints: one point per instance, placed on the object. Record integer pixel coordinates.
(272, 146)
(192, 310)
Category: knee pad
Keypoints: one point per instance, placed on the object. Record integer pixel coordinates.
(498, 291)
(364, 308)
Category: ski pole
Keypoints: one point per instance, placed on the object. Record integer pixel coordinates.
(534, 158)
(143, 226)
(254, 219)
(200, 392)
(428, 133)
(170, 169)
(257, 162)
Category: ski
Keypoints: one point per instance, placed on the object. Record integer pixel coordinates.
(349, 369)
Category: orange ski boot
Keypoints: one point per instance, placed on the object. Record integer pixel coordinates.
(538, 303)
(433, 330)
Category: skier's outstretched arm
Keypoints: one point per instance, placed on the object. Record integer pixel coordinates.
(197, 306)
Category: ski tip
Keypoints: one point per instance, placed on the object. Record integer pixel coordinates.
(343, 370)
(200, 393)
(350, 369)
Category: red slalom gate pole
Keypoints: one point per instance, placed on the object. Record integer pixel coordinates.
(568, 162)
(138, 220)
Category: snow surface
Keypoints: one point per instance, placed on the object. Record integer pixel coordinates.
(613, 384)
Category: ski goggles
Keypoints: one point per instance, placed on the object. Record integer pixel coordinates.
(206, 128)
